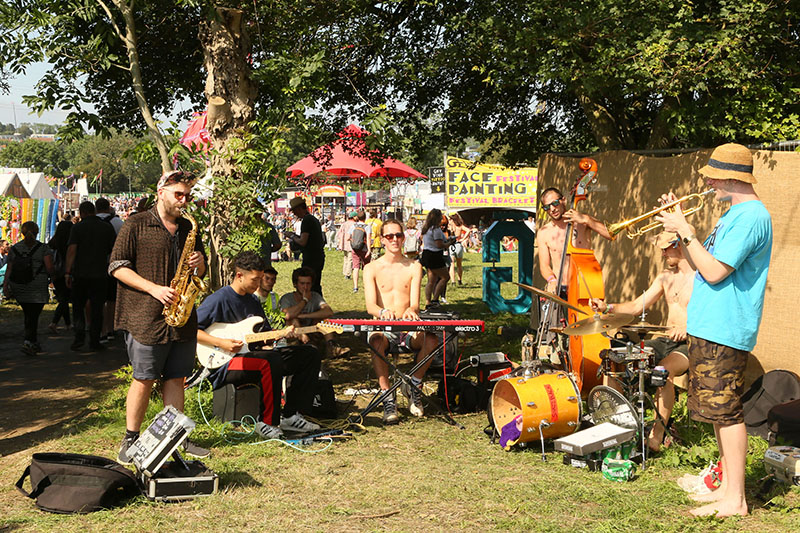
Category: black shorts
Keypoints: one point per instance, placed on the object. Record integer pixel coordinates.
(663, 346)
(433, 260)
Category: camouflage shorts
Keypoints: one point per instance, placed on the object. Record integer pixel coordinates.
(716, 382)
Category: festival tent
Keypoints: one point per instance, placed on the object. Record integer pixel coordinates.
(349, 159)
(11, 185)
(36, 185)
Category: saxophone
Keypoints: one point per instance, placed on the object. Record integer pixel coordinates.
(186, 283)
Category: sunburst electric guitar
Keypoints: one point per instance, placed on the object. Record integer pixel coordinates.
(213, 357)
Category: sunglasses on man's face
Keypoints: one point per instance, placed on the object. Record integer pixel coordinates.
(179, 195)
(393, 236)
(551, 205)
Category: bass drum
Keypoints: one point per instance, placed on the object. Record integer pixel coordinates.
(551, 401)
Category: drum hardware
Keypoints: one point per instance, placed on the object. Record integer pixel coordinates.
(641, 359)
(550, 296)
(598, 324)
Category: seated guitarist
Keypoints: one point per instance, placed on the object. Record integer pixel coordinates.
(234, 303)
(391, 287)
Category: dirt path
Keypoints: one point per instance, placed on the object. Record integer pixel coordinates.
(39, 395)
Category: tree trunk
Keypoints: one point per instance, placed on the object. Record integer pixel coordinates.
(129, 38)
(659, 134)
(231, 98)
(604, 127)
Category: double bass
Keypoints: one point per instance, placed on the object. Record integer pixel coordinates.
(584, 281)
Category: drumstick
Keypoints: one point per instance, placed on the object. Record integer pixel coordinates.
(585, 284)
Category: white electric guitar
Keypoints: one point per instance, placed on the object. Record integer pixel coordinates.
(213, 357)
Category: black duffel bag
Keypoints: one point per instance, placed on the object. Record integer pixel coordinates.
(74, 483)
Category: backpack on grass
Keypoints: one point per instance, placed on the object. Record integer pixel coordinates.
(773, 388)
(75, 483)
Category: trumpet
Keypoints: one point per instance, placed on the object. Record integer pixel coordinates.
(630, 224)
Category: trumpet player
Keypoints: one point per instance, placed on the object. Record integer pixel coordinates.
(724, 312)
(675, 284)
(145, 257)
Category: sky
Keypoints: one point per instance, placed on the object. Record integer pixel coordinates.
(11, 104)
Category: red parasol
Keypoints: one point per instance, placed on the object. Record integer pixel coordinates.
(348, 158)
(196, 136)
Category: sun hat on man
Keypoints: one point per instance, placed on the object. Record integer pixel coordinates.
(665, 239)
(730, 162)
(297, 201)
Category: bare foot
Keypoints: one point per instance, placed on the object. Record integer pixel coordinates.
(722, 508)
(713, 496)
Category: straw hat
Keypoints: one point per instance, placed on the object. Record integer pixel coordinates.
(665, 239)
(730, 162)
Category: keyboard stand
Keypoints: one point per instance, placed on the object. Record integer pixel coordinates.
(400, 378)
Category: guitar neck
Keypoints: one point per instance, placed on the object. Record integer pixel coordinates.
(272, 335)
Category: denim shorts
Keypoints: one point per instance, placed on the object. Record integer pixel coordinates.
(161, 361)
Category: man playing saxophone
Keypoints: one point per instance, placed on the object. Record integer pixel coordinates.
(145, 258)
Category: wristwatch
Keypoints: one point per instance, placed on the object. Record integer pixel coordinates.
(689, 238)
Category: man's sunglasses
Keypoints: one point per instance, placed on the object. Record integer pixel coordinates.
(551, 205)
(181, 195)
(393, 236)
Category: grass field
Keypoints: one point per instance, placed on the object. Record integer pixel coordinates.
(422, 475)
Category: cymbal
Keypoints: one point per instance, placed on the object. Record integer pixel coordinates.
(557, 330)
(598, 324)
(550, 296)
(644, 326)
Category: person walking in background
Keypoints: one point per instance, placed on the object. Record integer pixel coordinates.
(412, 240)
(308, 239)
(360, 240)
(58, 244)
(375, 223)
(343, 238)
(433, 246)
(90, 244)
(460, 232)
(29, 264)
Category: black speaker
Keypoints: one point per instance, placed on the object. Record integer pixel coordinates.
(231, 403)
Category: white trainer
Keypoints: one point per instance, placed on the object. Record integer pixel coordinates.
(268, 432)
(298, 424)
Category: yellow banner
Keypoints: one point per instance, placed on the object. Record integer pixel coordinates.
(468, 185)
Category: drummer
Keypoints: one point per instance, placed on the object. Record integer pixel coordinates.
(674, 283)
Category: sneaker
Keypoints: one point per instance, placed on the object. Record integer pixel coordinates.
(298, 424)
(193, 450)
(53, 328)
(37, 347)
(443, 300)
(333, 349)
(414, 397)
(122, 456)
(433, 305)
(459, 282)
(355, 290)
(347, 277)
(390, 417)
(28, 348)
(103, 339)
(708, 480)
(268, 432)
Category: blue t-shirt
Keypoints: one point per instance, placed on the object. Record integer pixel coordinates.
(227, 306)
(729, 312)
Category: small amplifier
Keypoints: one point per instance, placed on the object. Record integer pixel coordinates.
(784, 463)
(155, 445)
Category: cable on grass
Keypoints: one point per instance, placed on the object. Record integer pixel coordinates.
(248, 423)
